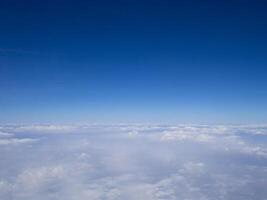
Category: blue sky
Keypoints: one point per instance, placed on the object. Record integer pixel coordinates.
(133, 61)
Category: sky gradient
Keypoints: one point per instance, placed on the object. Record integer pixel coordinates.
(133, 61)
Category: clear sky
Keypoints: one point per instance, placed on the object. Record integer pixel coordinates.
(133, 61)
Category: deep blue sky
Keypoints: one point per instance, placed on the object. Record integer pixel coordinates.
(133, 61)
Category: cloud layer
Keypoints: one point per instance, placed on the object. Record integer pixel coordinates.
(122, 161)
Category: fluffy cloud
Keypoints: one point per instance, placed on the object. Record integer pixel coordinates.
(121, 161)
(8, 138)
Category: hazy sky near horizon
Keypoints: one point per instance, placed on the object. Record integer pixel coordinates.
(133, 61)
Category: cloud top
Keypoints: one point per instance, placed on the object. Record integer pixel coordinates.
(133, 161)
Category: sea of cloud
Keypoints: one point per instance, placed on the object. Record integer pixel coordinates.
(133, 162)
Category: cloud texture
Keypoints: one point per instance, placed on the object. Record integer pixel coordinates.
(144, 162)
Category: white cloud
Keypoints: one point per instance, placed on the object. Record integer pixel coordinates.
(10, 139)
(117, 162)
(5, 135)
(46, 128)
(17, 141)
